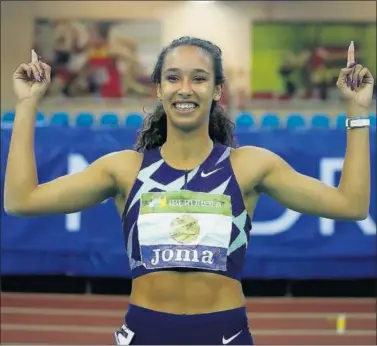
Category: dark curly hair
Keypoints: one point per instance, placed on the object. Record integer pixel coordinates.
(154, 130)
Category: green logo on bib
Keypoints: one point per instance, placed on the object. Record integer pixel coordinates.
(185, 202)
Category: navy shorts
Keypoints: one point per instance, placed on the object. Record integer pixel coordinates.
(148, 327)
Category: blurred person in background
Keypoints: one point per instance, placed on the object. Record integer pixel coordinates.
(186, 194)
(124, 50)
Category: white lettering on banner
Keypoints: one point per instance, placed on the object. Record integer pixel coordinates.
(76, 163)
(281, 224)
(328, 168)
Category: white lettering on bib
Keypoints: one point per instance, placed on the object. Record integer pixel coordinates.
(184, 229)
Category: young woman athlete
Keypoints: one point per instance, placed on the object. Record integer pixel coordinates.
(186, 195)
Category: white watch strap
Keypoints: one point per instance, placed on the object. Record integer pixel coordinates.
(352, 123)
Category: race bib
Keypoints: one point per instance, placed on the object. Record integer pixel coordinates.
(184, 229)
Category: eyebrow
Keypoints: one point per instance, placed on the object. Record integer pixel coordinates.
(197, 70)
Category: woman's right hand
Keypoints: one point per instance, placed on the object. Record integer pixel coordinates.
(31, 80)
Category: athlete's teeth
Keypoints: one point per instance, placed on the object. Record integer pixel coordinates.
(185, 105)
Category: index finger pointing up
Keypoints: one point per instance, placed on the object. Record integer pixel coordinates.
(34, 56)
(351, 54)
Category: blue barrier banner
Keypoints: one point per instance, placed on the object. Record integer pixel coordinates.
(284, 244)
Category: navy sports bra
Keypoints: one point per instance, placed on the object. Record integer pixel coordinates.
(186, 220)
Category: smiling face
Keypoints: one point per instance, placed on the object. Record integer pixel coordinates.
(187, 87)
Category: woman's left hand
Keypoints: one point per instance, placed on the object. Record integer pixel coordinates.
(355, 82)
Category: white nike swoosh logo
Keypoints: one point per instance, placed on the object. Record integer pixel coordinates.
(205, 175)
(227, 341)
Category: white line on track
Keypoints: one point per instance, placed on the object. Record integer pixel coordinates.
(120, 312)
(278, 300)
(79, 329)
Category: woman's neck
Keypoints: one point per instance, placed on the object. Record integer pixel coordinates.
(186, 151)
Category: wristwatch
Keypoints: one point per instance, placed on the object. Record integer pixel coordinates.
(353, 123)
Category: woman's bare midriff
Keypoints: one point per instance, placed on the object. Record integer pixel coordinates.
(186, 293)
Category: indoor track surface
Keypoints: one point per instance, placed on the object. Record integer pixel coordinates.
(91, 320)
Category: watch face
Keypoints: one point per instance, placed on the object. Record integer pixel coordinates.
(357, 122)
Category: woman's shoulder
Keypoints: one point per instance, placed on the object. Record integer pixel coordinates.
(253, 158)
(253, 152)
